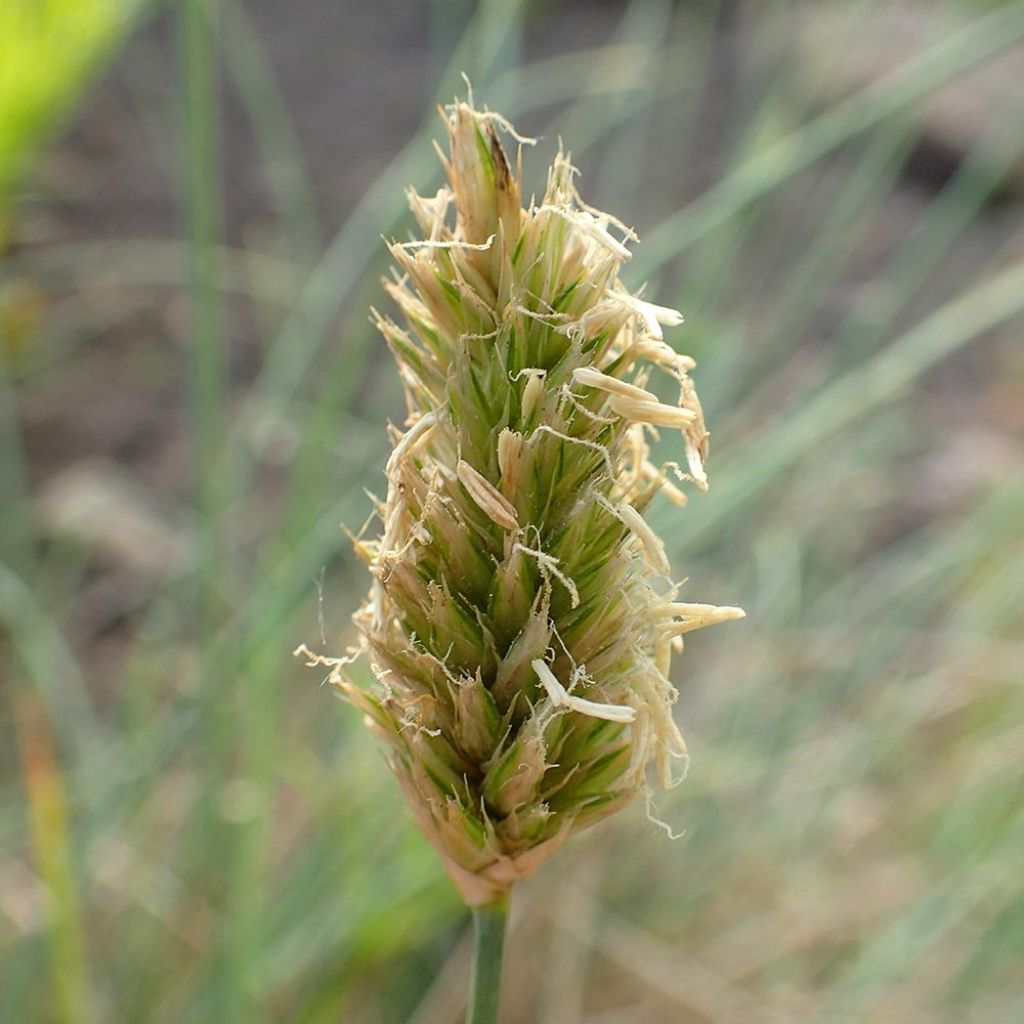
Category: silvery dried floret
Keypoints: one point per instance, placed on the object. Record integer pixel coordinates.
(521, 617)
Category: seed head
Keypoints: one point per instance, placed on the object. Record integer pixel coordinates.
(521, 618)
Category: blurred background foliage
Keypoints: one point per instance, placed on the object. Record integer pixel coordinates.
(48, 51)
(190, 828)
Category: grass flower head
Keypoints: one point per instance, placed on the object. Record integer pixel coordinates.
(522, 617)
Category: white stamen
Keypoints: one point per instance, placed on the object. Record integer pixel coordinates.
(531, 394)
(488, 498)
(604, 382)
(654, 316)
(417, 432)
(603, 236)
(690, 610)
(653, 544)
(427, 243)
(663, 354)
(652, 412)
(693, 461)
(589, 225)
(698, 616)
(510, 447)
(561, 698)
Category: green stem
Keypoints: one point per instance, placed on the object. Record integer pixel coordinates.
(485, 985)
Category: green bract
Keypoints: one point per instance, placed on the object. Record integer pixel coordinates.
(521, 618)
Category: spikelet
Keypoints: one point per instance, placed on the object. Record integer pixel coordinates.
(520, 621)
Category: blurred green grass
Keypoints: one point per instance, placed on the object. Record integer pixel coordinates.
(202, 835)
(49, 49)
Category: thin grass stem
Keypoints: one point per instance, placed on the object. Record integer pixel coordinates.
(489, 944)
